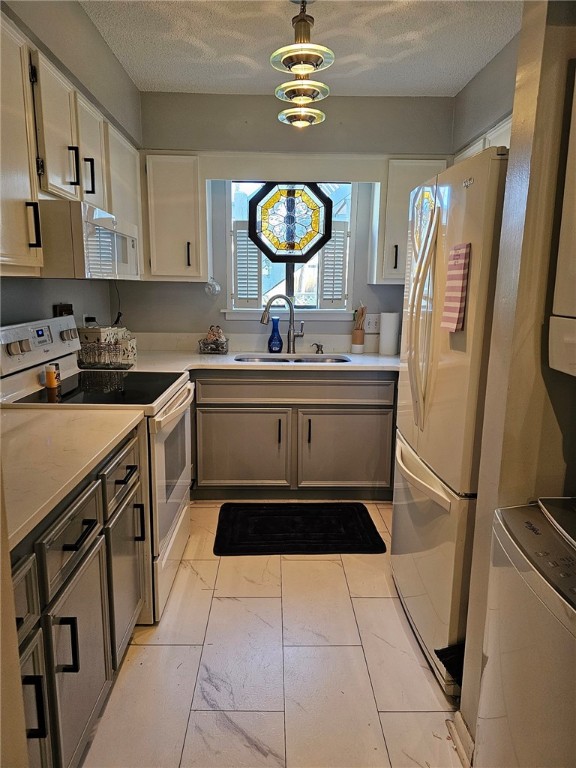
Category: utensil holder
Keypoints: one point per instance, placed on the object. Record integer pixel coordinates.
(357, 347)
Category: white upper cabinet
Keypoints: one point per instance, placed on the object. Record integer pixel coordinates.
(56, 131)
(123, 177)
(20, 235)
(403, 176)
(173, 213)
(92, 153)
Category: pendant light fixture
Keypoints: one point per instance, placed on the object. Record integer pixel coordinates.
(302, 59)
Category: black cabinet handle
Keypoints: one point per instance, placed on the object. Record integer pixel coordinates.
(142, 510)
(309, 430)
(76, 152)
(72, 622)
(131, 470)
(395, 257)
(37, 233)
(188, 261)
(41, 731)
(92, 190)
(279, 431)
(90, 524)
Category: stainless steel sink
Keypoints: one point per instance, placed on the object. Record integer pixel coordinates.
(262, 359)
(273, 358)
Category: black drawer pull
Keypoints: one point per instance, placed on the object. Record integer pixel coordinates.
(92, 190)
(131, 470)
(279, 431)
(142, 509)
(309, 430)
(41, 731)
(90, 524)
(188, 260)
(76, 152)
(72, 622)
(395, 257)
(37, 233)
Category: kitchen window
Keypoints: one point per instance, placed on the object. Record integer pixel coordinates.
(323, 287)
(320, 283)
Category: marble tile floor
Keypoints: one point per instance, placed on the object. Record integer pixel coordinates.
(295, 661)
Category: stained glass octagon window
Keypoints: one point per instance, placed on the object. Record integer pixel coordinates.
(290, 222)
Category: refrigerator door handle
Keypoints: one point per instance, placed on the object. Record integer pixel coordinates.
(432, 493)
(411, 324)
(417, 313)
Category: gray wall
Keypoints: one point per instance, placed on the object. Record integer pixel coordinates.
(63, 30)
(487, 98)
(23, 299)
(391, 125)
(186, 308)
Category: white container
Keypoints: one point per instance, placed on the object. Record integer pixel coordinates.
(389, 333)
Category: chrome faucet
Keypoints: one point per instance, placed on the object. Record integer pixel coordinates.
(292, 334)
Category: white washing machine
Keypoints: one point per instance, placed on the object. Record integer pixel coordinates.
(527, 707)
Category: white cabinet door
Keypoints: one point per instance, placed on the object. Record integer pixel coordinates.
(92, 153)
(56, 130)
(123, 177)
(173, 209)
(403, 176)
(499, 136)
(20, 236)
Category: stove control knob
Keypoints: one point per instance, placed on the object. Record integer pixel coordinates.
(65, 335)
(13, 348)
(25, 345)
(73, 333)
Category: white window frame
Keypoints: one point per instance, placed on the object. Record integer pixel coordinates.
(321, 312)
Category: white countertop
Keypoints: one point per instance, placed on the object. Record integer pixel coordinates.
(46, 453)
(190, 361)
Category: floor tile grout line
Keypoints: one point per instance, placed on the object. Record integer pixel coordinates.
(283, 661)
(368, 670)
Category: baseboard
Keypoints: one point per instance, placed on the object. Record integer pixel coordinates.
(462, 739)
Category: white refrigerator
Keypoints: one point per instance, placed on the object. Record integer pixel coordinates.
(453, 240)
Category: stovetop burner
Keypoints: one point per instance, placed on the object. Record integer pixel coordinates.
(106, 388)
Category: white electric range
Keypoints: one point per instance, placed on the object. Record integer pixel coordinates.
(165, 400)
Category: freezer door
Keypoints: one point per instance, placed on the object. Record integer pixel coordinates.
(431, 551)
(422, 228)
(470, 197)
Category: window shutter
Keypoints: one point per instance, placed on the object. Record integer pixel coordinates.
(333, 268)
(100, 245)
(247, 268)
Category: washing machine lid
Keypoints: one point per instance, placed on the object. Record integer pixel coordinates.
(562, 514)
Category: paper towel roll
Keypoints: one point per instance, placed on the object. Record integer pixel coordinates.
(389, 333)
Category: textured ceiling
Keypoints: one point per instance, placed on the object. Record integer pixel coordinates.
(398, 48)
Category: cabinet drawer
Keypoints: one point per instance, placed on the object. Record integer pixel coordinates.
(62, 547)
(119, 476)
(26, 598)
(268, 391)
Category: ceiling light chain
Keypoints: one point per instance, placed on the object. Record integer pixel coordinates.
(301, 59)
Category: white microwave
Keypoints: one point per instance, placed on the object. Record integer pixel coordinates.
(79, 240)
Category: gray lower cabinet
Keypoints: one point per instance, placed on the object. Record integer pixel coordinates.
(344, 447)
(35, 694)
(77, 631)
(244, 446)
(125, 540)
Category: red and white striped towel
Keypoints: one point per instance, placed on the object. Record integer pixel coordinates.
(456, 285)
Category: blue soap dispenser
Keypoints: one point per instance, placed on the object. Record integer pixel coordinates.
(275, 341)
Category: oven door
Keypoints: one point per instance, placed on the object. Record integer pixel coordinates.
(171, 472)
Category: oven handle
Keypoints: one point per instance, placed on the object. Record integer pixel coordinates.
(174, 409)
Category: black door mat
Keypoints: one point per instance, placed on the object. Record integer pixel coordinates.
(296, 529)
